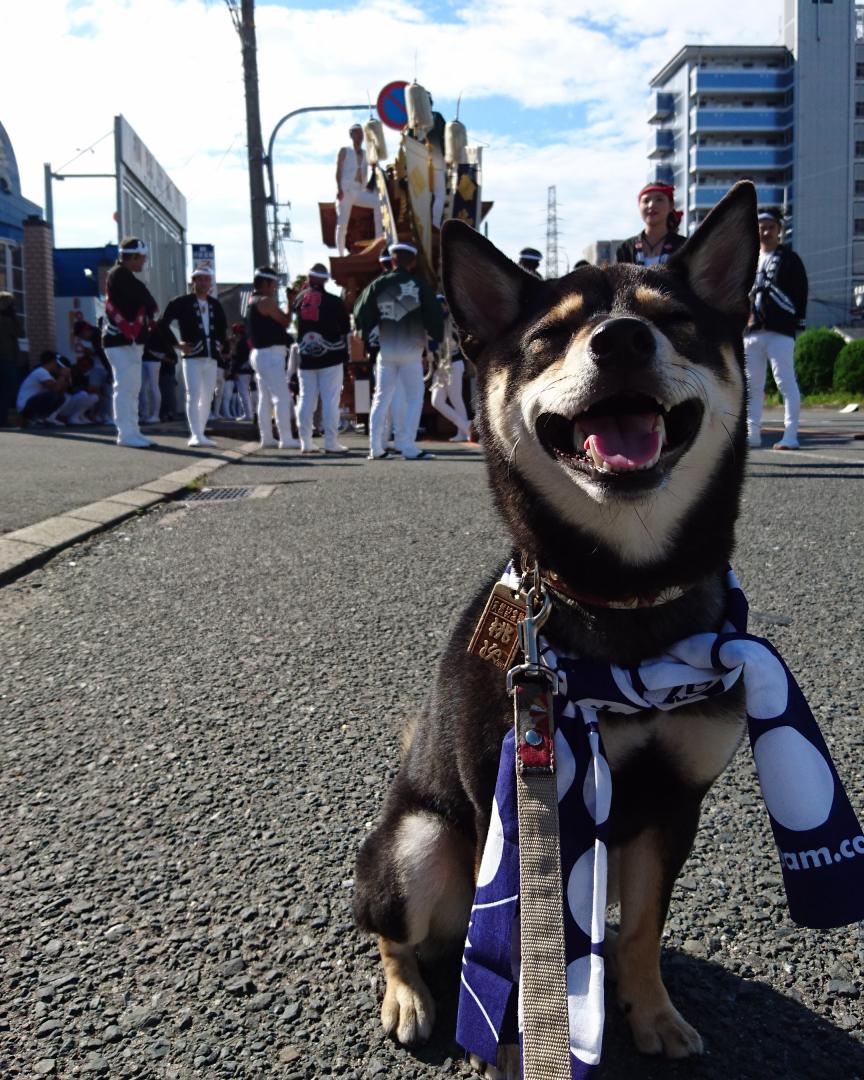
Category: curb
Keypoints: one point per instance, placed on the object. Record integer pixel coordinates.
(25, 549)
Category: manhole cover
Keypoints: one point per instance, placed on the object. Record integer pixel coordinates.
(224, 494)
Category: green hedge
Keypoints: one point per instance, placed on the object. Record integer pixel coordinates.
(815, 353)
(849, 368)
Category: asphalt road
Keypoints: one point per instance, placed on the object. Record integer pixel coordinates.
(200, 713)
(49, 471)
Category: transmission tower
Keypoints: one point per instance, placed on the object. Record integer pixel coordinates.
(552, 232)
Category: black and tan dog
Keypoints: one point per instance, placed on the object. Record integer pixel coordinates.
(612, 413)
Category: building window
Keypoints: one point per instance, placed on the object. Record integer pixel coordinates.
(859, 110)
(859, 149)
(859, 70)
(859, 187)
(12, 277)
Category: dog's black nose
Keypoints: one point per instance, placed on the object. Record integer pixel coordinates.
(622, 340)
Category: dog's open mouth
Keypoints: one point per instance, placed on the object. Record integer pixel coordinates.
(628, 437)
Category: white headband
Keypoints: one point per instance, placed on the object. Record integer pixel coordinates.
(202, 271)
(140, 248)
(268, 277)
(403, 247)
(529, 256)
(324, 276)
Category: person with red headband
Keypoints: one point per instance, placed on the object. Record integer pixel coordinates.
(659, 238)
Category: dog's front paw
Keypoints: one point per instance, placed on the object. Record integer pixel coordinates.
(408, 1011)
(663, 1030)
(506, 1069)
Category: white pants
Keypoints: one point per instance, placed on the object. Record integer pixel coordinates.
(326, 382)
(269, 367)
(760, 347)
(408, 375)
(243, 390)
(225, 400)
(354, 194)
(446, 397)
(125, 361)
(75, 405)
(151, 395)
(199, 375)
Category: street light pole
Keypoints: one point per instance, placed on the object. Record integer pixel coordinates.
(268, 160)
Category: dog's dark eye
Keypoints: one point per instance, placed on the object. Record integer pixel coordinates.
(553, 339)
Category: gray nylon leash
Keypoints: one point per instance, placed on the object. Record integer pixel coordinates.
(543, 978)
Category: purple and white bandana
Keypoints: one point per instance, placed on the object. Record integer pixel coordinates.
(817, 834)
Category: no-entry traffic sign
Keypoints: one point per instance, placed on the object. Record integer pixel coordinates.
(391, 105)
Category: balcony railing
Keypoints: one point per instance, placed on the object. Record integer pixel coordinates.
(662, 174)
(661, 143)
(738, 81)
(660, 107)
(702, 119)
(740, 159)
(703, 197)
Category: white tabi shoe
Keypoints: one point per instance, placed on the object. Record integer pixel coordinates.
(137, 444)
(202, 441)
(289, 444)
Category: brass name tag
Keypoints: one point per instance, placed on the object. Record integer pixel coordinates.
(495, 638)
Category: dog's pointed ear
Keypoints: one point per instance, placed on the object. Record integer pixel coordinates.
(719, 260)
(485, 291)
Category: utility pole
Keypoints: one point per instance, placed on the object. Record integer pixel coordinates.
(243, 17)
(551, 267)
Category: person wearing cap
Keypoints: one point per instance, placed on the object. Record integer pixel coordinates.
(322, 338)
(43, 391)
(203, 330)
(405, 309)
(352, 176)
(129, 312)
(778, 304)
(267, 323)
(529, 259)
(659, 238)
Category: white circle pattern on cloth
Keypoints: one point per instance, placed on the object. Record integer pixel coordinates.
(767, 687)
(586, 901)
(584, 979)
(493, 850)
(783, 752)
(598, 808)
(565, 765)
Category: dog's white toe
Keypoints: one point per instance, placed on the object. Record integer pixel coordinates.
(408, 1012)
(506, 1069)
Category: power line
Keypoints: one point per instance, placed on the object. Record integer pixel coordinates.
(552, 232)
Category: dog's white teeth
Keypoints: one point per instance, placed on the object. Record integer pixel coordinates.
(599, 460)
(660, 426)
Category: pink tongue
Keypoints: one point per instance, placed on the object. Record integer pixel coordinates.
(624, 442)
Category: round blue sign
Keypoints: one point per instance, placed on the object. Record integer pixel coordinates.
(391, 105)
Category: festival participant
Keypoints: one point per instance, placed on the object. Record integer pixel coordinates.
(322, 337)
(659, 238)
(778, 304)
(240, 368)
(446, 388)
(352, 175)
(203, 330)
(43, 391)
(267, 324)
(405, 310)
(529, 259)
(129, 311)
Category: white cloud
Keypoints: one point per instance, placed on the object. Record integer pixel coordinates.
(172, 67)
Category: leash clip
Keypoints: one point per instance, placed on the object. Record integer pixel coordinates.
(533, 686)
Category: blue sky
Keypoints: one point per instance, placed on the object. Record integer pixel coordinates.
(555, 96)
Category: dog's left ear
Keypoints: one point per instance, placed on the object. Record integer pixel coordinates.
(719, 260)
(485, 291)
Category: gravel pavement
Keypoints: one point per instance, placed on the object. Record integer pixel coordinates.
(200, 714)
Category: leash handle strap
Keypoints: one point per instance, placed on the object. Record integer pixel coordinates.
(543, 980)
